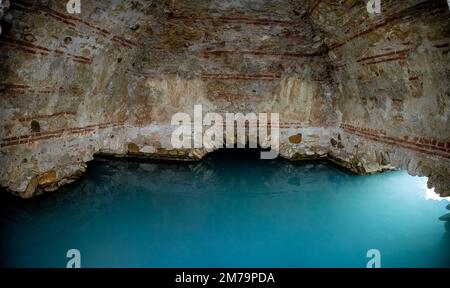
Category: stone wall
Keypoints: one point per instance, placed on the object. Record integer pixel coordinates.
(367, 92)
(392, 74)
(62, 94)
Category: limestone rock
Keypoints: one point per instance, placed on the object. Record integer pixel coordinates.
(295, 139)
(133, 148)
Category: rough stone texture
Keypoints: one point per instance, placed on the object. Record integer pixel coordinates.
(392, 74)
(367, 92)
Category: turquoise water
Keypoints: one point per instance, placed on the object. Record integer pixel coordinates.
(231, 210)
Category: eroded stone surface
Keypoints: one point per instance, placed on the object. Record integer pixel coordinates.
(367, 92)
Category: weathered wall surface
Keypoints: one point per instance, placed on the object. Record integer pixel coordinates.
(367, 92)
(392, 72)
(238, 57)
(61, 90)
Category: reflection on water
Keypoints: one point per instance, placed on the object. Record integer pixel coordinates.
(231, 210)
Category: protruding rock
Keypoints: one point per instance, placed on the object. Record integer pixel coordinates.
(43, 179)
(133, 148)
(148, 149)
(296, 139)
(445, 217)
(47, 177)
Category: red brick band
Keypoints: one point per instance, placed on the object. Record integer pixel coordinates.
(86, 130)
(418, 144)
(37, 49)
(69, 20)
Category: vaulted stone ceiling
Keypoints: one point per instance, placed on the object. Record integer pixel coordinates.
(366, 91)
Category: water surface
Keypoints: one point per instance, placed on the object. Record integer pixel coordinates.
(231, 210)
